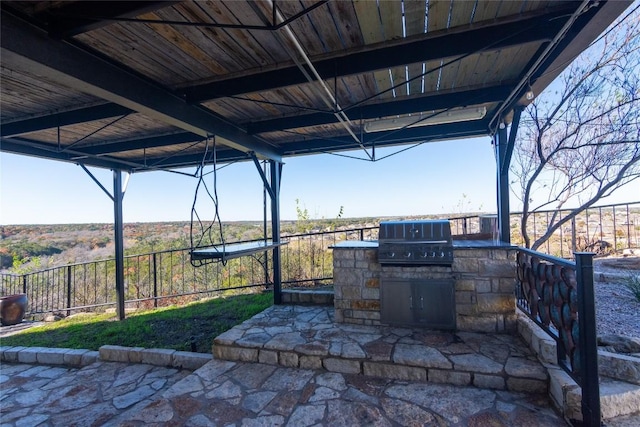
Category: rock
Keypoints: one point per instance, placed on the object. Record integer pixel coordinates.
(52, 318)
(620, 343)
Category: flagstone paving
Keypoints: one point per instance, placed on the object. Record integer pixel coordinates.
(249, 394)
(308, 337)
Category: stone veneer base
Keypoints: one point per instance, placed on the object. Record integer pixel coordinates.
(484, 286)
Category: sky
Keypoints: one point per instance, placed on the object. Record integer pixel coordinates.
(456, 176)
(440, 177)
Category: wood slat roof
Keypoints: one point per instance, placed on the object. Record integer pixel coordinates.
(142, 85)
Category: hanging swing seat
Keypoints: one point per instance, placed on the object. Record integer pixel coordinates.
(233, 250)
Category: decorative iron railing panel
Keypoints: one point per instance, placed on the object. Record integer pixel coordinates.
(558, 296)
(547, 292)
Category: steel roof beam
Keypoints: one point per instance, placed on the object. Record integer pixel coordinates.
(36, 149)
(31, 50)
(537, 28)
(66, 118)
(141, 143)
(390, 138)
(390, 108)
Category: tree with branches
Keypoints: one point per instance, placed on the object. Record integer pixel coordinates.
(580, 140)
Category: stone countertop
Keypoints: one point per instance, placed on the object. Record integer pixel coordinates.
(457, 244)
(356, 244)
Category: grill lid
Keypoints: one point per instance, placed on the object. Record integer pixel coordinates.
(426, 231)
(426, 242)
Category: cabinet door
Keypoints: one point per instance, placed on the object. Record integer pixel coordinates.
(397, 302)
(434, 304)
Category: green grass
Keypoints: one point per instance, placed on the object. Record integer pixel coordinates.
(188, 328)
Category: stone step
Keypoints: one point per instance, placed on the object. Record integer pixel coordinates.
(308, 296)
(617, 398)
(619, 377)
(306, 337)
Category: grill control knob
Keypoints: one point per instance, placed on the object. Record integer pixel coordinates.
(424, 254)
(391, 254)
(441, 254)
(407, 254)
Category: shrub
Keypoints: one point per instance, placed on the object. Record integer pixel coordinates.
(632, 283)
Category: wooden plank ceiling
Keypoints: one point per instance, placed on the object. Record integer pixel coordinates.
(147, 85)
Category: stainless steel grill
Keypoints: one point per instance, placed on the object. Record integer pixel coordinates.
(426, 242)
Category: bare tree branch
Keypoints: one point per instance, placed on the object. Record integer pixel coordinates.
(580, 141)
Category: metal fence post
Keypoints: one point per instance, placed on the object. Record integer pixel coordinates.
(588, 346)
(68, 290)
(24, 283)
(155, 281)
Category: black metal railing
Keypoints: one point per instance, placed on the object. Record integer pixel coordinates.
(167, 277)
(558, 296)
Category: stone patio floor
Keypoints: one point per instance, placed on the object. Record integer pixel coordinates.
(307, 337)
(249, 394)
(239, 393)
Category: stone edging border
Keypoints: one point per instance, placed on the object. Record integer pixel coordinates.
(78, 358)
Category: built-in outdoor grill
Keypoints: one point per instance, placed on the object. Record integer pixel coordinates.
(415, 243)
(424, 295)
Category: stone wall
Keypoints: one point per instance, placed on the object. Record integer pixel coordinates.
(484, 286)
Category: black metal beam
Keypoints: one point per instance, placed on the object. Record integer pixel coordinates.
(79, 17)
(537, 28)
(66, 118)
(276, 172)
(502, 179)
(118, 226)
(186, 160)
(389, 138)
(46, 151)
(28, 49)
(391, 108)
(138, 144)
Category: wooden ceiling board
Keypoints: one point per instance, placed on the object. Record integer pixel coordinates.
(432, 76)
(212, 40)
(265, 46)
(25, 95)
(415, 19)
(131, 127)
(123, 46)
(368, 16)
(325, 27)
(303, 27)
(508, 8)
(461, 13)
(228, 40)
(205, 56)
(516, 59)
(438, 15)
(391, 15)
(346, 21)
(486, 11)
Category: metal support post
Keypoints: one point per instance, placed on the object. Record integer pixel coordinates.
(276, 171)
(68, 290)
(588, 346)
(118, 196)
(500, 141)
(155, 281)
(504, 150)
